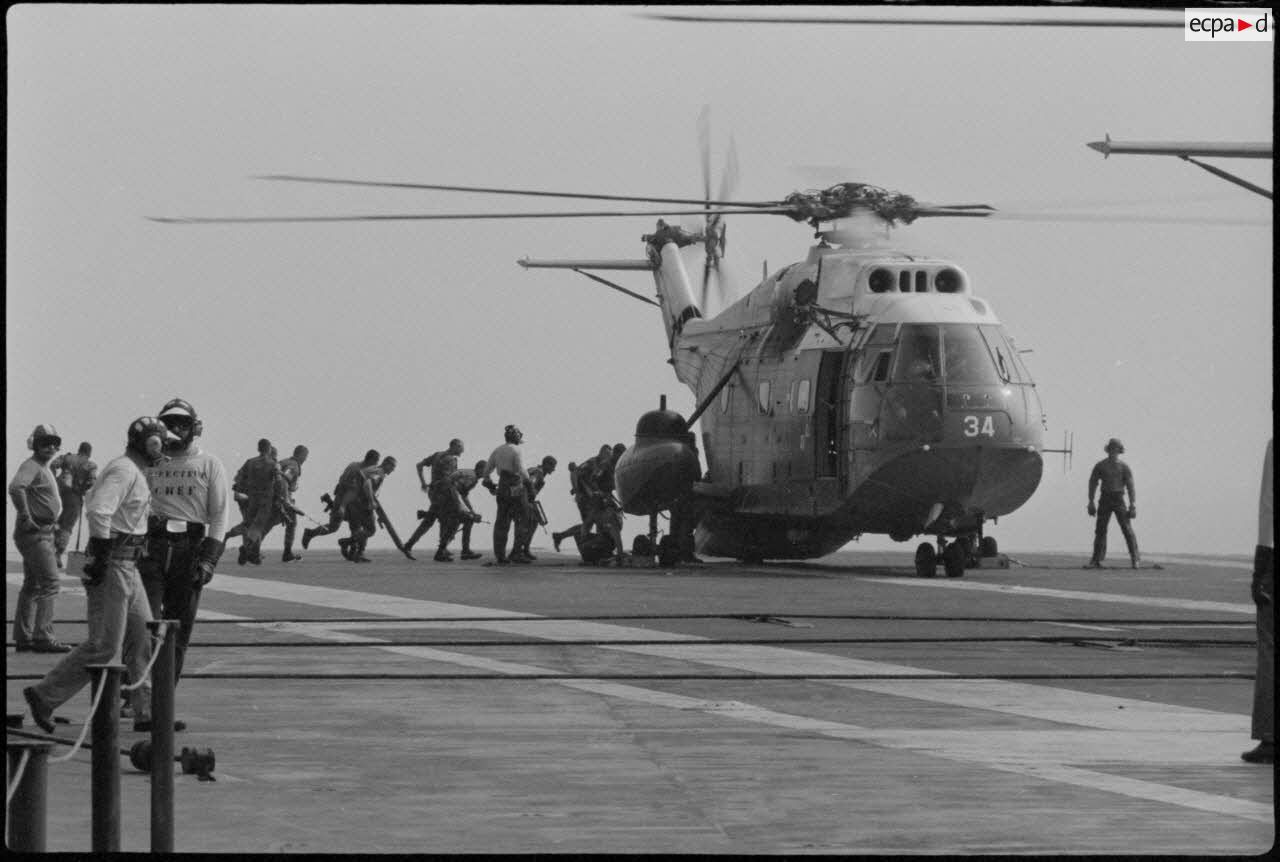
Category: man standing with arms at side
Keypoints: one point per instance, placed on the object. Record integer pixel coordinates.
(76, 475)
(116, 511)
(35, 497)
(1264, 596)
(187, 526)
(510, 490)
(1115, 478)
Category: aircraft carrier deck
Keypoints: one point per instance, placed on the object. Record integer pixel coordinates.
(843, 706)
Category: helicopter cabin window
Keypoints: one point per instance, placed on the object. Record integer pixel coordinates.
(762, 396)
(724, 398)
(802, 395)
(904, 281)
(922, 282)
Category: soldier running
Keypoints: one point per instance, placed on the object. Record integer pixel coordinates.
(350, 486)
(528, 525)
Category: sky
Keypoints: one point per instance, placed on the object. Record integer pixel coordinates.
(401, 335)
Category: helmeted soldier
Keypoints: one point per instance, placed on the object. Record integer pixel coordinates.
(510, 490)
(188, 524)
(1115, 478)
(116, 511)
(34, 493)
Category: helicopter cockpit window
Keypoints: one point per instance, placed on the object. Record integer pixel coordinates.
(1010, 363)
(966, 359)
(919, 354)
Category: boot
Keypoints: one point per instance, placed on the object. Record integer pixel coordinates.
(468, 554)
(344, 545)
(443, 556)
(307, 535)
(289, 556)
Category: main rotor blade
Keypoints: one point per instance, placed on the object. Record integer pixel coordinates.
(915, 22)
(435, 216)
(1119, 218)
(501, 191)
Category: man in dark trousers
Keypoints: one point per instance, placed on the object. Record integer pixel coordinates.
(510, 490)
(188, 524)
(118, 610)
(350, 486)
(528, 525)
(1264, 596)
(76, 474)
(445, 502)
(1114, 478)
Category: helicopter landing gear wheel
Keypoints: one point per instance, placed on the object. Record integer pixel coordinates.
(988, 547)
(926, 561)
(953, 560)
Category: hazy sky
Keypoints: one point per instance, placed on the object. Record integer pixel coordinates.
(400, 336)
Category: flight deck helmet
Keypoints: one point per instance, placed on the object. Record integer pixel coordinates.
(42, 434)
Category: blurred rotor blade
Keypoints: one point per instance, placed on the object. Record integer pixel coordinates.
(729, 179)
(1121, 218)
(918, 22)
(439, 216)
(704, 150)
(498, 191)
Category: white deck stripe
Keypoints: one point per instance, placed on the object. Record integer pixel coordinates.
(1072, 595)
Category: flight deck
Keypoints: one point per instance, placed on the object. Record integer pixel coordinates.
(842, 706)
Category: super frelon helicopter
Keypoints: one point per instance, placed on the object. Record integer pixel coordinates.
(862, 390)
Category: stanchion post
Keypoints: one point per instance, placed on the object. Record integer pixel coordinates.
(104, 759)
(27, 820)
(162, 713)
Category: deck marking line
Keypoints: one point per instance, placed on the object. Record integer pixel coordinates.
(1073, 595)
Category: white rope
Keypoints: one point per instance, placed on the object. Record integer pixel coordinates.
(84, 731)
(17, 778)
(158, 637)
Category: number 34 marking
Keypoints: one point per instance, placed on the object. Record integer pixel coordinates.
(979, 427)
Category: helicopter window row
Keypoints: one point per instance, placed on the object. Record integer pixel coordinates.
(883, 280)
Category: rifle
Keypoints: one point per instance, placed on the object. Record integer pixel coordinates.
(391, 531)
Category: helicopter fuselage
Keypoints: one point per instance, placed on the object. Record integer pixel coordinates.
(858, 391)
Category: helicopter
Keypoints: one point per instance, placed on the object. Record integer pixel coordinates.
(862, 390)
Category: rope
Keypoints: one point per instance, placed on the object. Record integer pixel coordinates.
(158, 637)
(17, 778)
(84, 731)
